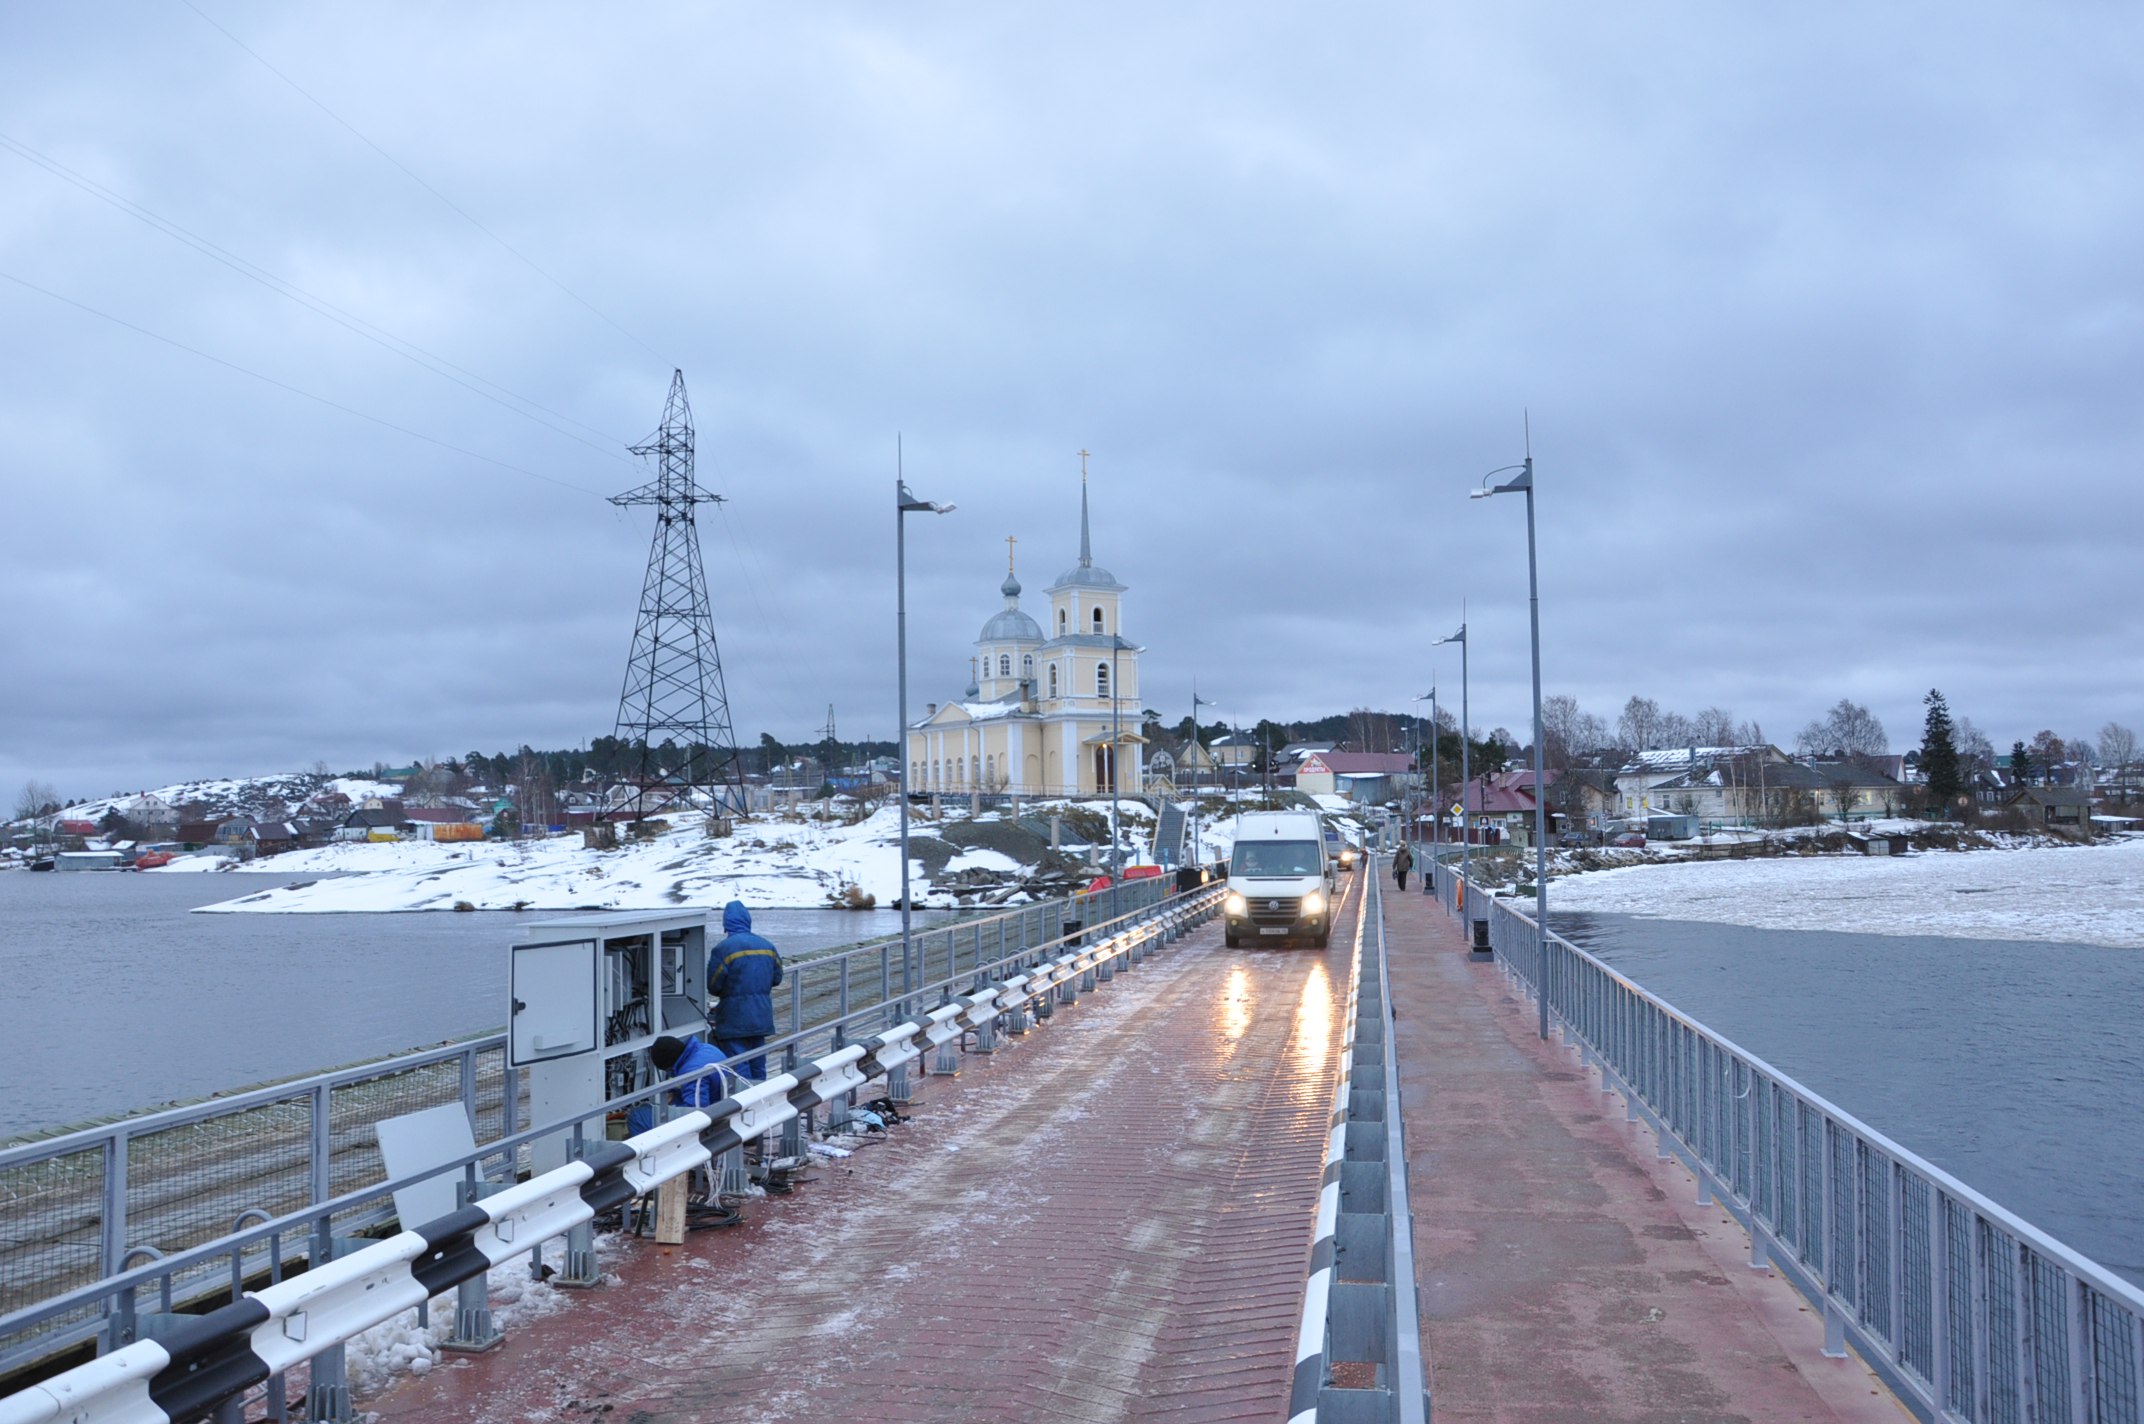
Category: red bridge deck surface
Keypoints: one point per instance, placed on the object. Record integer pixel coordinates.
(1567, 1273)
(1108, 1219)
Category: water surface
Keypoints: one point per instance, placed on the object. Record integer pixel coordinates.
(116, 998)
(2018, 1067)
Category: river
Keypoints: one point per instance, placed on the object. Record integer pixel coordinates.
(2018, 1067)
(118, 998)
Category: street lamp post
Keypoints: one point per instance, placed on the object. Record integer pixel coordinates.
(1523, 482)
(905, 504)
(1197, 854)
(1436, 802)
(1466, 766)
(1116, 745)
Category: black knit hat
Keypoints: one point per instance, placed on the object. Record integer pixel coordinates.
(666, 1051)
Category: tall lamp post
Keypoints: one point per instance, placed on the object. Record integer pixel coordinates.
(1523, 482)
(1197, 854)
(905, 504)
(1436, 802)
(1415, 823)
(1466, 766)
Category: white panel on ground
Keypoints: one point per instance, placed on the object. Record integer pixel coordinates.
(416, 1141)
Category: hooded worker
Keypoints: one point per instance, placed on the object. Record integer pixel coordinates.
(675, 1058)
(742, 972)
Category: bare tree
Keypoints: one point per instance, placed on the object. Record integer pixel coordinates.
(1639, 726)
(1716, 727)
(1848, 730)
(1976, 753)
(1677, 730)
(37, 798)
(2117, 754)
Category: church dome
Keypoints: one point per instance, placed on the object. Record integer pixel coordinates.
(1087, 576)
(1010, 625)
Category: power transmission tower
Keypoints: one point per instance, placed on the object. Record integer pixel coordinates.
(830, 746)
(673, 711)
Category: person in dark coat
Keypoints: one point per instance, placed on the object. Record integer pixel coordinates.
(1402, 862)
(674, 1058)
(742, 972)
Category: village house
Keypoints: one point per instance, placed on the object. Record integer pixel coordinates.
(1369, 778)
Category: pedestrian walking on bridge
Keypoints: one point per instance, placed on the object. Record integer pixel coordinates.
(742, 972)
(1402, 862)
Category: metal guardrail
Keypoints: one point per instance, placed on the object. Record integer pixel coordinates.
(82, 1207)
(210, 1364)
(1968, 1311)
(1361, 1305)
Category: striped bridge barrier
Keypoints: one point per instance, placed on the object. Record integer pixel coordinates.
(1358, 1352)
(204, 1366)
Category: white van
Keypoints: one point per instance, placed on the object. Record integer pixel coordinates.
(1279, 879)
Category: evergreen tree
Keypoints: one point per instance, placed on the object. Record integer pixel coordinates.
(1939, 754)
(2020, 764)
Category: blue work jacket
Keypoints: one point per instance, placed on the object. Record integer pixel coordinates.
(742, 972)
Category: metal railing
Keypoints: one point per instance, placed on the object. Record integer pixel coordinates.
(85, 1206)
(243, 1352)
(1968, 1311)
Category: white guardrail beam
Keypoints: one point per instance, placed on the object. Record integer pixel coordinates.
(210, 1359)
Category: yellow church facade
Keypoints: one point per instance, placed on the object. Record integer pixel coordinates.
(1052, 708)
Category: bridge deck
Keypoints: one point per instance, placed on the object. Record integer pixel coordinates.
(1108, 1219)
(1566, 1272)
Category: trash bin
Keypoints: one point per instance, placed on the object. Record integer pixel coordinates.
(1481, 937)
(1071, 933)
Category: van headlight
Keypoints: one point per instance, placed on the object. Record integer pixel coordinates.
(1314, 903)
(1235, 904)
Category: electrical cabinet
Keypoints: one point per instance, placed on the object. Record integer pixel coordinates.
(587, 995)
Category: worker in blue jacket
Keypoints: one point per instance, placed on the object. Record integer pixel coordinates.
(742, 972)
(674, 1058)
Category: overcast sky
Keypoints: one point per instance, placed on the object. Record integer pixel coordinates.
(1828, 320)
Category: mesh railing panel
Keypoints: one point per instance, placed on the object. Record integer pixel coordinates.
(1874, 1184)
(1843, 1268)
(1917, 1329)
(2049, 1297)
(2000, 1261)
(52, 1239)
(2114, 1362)
(1958, 1249)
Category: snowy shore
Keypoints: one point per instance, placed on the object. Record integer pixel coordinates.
(778, 864)
(2066, 894)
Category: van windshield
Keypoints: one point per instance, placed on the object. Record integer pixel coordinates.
(1256, 858)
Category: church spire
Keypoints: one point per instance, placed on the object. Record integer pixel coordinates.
(1086, 547)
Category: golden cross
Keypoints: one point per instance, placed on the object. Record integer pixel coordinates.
(1010, 540)
(1083, 466)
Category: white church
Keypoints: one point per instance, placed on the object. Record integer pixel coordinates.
(1043, 715)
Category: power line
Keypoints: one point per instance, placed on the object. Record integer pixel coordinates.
(379, 336)
(442, 197)
(294, 390)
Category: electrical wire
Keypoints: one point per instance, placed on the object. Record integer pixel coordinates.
(401, 346)
(294, 390)
(516, 253)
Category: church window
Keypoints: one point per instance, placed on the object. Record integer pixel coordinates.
(1004, 664)
(1027, 666)
(1097, 620)
(1061, 616)
(1053, 679)
(990, 770)
(1101, 679)
(975, 769)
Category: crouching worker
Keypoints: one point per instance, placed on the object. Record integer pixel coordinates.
(674, 1058)
(742, 972)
